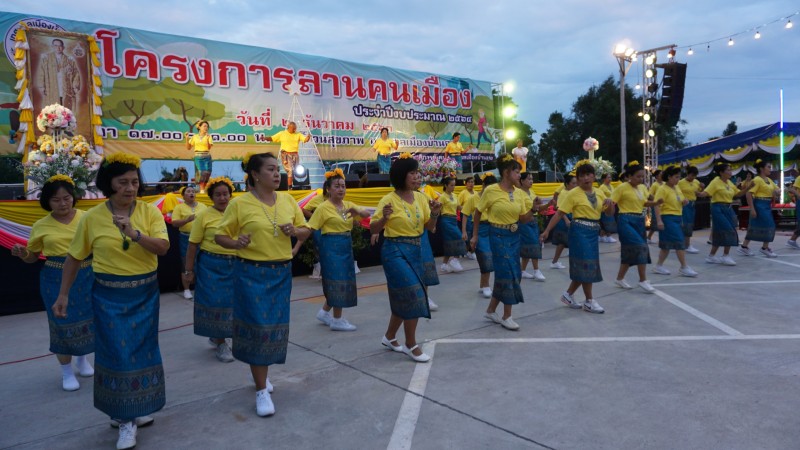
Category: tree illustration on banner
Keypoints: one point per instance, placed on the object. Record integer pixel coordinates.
(132, 100)
(431, 128)
(188, 101)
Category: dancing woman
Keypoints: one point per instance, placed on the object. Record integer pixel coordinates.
(334, 219)
(215, 269)
(608, 224)
(657, 183)
(561, 229)
(669, 209)
(448, 224)
(586, 204)
(466, 194)
(760, 196)
(182, 217)
(506, 208)
(403, 215)
(689, 187)
(260, 225)
(316, 235)
(201, 143)
(429, 275)
(125, 237)
(385, 147)
(723, 219)
(482, 247)
(530, 247)
(51, 236)
(289, 153)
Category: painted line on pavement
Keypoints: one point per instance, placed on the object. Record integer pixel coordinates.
(406, 423)
(699, 314)
(719, 337)
(775, 260)
(725, 283)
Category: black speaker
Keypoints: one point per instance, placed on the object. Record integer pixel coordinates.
(673, 84)
(284, 182)
(351, 180)
(377, 180)
(12, 192)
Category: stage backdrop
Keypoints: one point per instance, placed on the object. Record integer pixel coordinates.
(156, 87)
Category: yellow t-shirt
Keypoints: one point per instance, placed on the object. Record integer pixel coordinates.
(499, 206)
(762, 188)
(449, 204)
(406, 219)
(454, 149)
(606, 188)
(204, 228)
(689, 188)
(385, 146)
(314, 203)
(464, 196)
(429, 192)
(721, 192)
(577, 203)
(531, 197)
(51, 237)
(201, 144)
(182, 211)
(290, 142)
(246, 214)
(629, 199)
(471, 205)
(653, 188)
(796, 182)
(673, 200)
(327, 218)
(559, 189)
(97, 235)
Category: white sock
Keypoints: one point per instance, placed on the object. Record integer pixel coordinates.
(66, 370)
(84, 367)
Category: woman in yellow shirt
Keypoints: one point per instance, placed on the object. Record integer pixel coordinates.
(454, 150)
(466, 194)
(560, 236)
(530, 247)
(795, 190)
(50, 236)
(586, 204)
(260, 225)
(316, 235)
(689, 187)
(125, 237)
(201, 144)
(448, 224)
(506, 207)
(182, 217)
(608, 224)
(403, 215)
(658, 181)
(385, 147)
(215, 271)
(669, 209)
(483, 249)
(723, 220)
(761, 226)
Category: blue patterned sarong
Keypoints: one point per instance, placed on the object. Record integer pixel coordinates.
(688, 214)
(451, 235)
(203, 163)
(73, 335)
(215, 288)
(529, 240)
(505, 259)
(632, 239)
(402, 264)
(762, 227)
(560, 235)
(183, 246)
(483, 250)
(723, 226)
(261, 311)
(338, 274)
(608, 223)
(584, 253)
(384, 163)
(671, 237)
(429, 275)
(128, 374)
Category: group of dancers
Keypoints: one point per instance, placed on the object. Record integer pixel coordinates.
(100, 287)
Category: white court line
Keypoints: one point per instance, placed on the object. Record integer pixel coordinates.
(406, 423)
(700, 315)
(719, 337)
(721, 283)
(775, 260)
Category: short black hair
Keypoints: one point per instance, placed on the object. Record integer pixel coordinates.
(630, 170)
(657, 172)
(384, 129)
(692, 170)
(584, 169)
(446, 181)
(489, 180)
(49, 190)
(108, 172)
(721, 167)
(254, 165)
(760, 164)
(210, 188)
(456, 134)
(568, 178)
(524, 175)
(202, 122)
(507, 164)
(400, 168)
(671, 171)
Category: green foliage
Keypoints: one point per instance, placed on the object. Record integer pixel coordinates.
(431, 128)
(188, 101)
(730, 130)
(131, 100)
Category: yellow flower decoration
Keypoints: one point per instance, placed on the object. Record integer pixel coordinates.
(404, 155)
(485, 175)
(334, 173)
(633, 163)
(227, 181)
(123, 158)
(573, 173)
(60, 177)
(583, 162)
(758, 161)
(506, 158)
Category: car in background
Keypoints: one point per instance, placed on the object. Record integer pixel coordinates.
(356, 167)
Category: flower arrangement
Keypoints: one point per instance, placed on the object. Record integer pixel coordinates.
(591, 144)
(603, 166)
(56, 117)
(225, 180)
(404, 155)
(334, 173)
(433, 170)
(68, 157)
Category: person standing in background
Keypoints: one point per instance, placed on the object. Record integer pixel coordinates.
(520, 155)
(290, 141)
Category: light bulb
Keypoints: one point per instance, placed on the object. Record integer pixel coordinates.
(758, 35)
(690, 52)
(730, 42)
(638, 86)
(789, 24)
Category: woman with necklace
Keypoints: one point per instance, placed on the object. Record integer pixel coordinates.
(586, 203)
(632, 198)
(760, 196)
(482, 247)
(51, 236)
(463, 196)
(669, 209)
(125, 236)
(531, 247)
(182, 217)
(723, 219)
(403, 215)
(561, 228)
(216, 272)
(506, 207)
(448, 223)
(201, 143)
(429, 275)
(334, 220)
(385, 147)
(260, 225)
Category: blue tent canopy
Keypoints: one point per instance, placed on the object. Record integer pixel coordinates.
(730, 142)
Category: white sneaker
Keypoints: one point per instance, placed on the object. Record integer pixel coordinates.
(745, 251)
(324, 316)
(593, 307)
(727, 261)
(85, 369)
(455, 265)
(356, 269)
(661, 270)
(526, 275)
(538, 275)
(692, 250)
(264, 405)
(651, 242)
(493, 317)
(224, 354)
(187, 294)
(445, 268)
(341, 324)
(623, 284)
(127, 435)
(687, 272)
(270, 387)
(557, 265)
(487, 292)
(768, 253)
(602, 239)
(509, 324)
(70, 383)
(569, 301)
(471, 255)
(611, 240)
(315, 274)
(645, 285)
(432, 305)
(792, 244)
(712, 259)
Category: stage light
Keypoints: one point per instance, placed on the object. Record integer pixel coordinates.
(300, 170)
(652, 88)
(508, 87)
(620, 49)
(651, 132)
(629, 51)
(638, 86)
(640, 114)
(651, 102)
(650, 60)
(789, 24)
(758, 35)
(642, 141)
(511, 134)
(690, 52)
(646, 117)
(649, 73)
(509, 111)
(671, 53)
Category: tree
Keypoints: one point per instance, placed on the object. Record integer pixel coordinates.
(431, 128)
(188, 101)
(730, 130)
(131, 100)
(559, 144)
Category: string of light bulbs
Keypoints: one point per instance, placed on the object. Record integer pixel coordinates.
(785, 20)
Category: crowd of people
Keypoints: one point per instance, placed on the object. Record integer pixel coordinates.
(100, 287)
